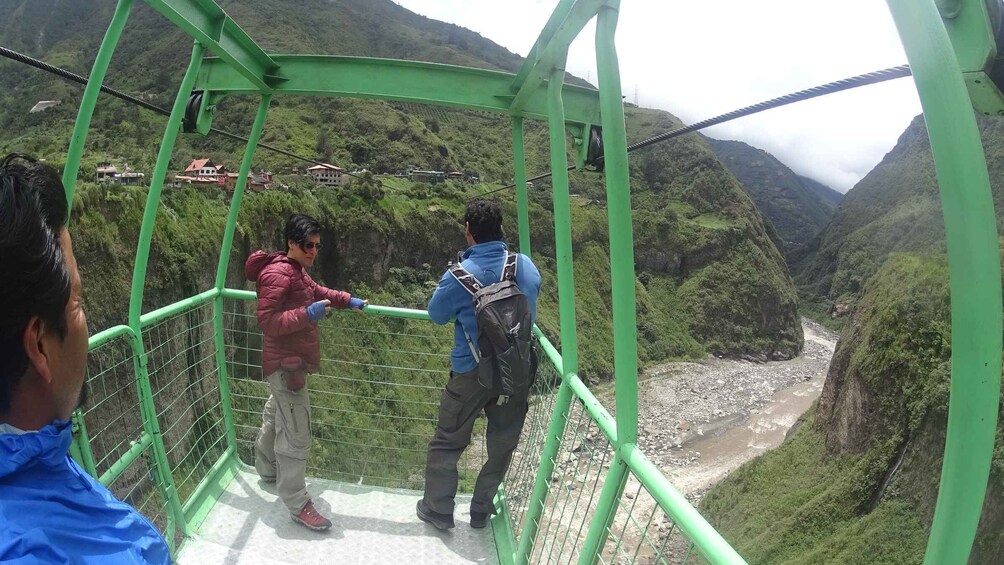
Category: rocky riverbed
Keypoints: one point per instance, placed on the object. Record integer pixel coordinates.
(699, 421)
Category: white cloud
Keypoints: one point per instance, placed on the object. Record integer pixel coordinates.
(701, 59)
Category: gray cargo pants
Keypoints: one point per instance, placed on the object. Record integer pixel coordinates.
(284, 441)
(462, 400)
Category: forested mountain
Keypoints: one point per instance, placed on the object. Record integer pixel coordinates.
(798, 207)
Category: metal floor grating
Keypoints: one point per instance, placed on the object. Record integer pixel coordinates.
(248, 524)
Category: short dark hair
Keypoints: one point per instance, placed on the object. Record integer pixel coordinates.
(484, 217)
(36, 280)
(299, 227)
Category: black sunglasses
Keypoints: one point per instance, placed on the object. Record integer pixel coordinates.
(308, 245)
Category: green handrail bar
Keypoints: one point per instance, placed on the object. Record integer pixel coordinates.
(134, 452)
(148, 409)
(707, 540)
(90, 98)
(160, 314)
(974, 271)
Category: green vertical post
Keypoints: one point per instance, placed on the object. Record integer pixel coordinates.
(615, 167)
(80, 449)
(622, 280)
(522, 199)
(221, 269)
(562, 222)
(566, 302)
(975, 277)
(150, 423)
(90, 98)
(606, 507)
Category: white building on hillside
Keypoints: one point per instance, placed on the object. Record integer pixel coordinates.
(327, 175)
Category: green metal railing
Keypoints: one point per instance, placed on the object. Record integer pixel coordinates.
(176, 390)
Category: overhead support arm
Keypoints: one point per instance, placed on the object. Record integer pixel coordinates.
(208, 24)
(403, 81)
(550, 52)
(557, 17)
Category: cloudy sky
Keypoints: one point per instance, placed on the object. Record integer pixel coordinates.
(701, 59)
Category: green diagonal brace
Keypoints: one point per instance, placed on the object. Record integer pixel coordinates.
(557, 16)
(209, 25)
(553, 55)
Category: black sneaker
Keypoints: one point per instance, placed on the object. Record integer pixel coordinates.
(479, 520)
(441, 521)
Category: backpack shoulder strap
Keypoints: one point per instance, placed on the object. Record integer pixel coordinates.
(509, 270)
(470, 283)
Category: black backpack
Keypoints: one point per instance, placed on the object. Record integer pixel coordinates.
(505, 352)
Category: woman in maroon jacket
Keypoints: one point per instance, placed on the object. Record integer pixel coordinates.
(290, 304)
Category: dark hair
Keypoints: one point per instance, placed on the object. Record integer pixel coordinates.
(35, 280)
(299, 227)
(484, 217)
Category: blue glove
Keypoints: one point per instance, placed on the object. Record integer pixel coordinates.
(356, 303)
(316, 311)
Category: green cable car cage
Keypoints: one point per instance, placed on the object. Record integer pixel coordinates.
(175, 390)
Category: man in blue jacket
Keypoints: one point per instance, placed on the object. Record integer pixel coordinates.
(51, 511)
(464, 397)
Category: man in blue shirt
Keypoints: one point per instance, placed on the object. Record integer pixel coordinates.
(51, 511)
(464, 397)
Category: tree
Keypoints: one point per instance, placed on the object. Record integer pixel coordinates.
(323, 147)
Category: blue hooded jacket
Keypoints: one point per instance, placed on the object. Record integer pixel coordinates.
(452, 301)
(52, 511)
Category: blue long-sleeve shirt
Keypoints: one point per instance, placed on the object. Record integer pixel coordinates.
(52, 511)
(452, 301)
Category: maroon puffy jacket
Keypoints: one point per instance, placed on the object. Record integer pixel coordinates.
(284, 292)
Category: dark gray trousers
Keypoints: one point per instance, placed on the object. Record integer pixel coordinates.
(462, 400)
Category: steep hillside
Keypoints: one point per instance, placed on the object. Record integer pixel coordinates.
(709, 278)
(797, 211)
(895, 208)
(858, 481)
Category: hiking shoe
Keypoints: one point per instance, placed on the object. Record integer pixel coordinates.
(310, 517)
(441, 521)
(479, 520)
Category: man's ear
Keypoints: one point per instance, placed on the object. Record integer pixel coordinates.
(35, 349)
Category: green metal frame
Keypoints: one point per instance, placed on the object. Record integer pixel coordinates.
(973, 263)
(945, 56)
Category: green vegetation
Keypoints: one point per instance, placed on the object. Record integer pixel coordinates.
(796, 505)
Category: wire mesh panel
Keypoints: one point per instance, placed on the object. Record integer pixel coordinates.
(374, 401)
(186, 391)
(642, 533)
(112, 413)
(138, 487)
(580, 468)
(113, 422)
(519, 479)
